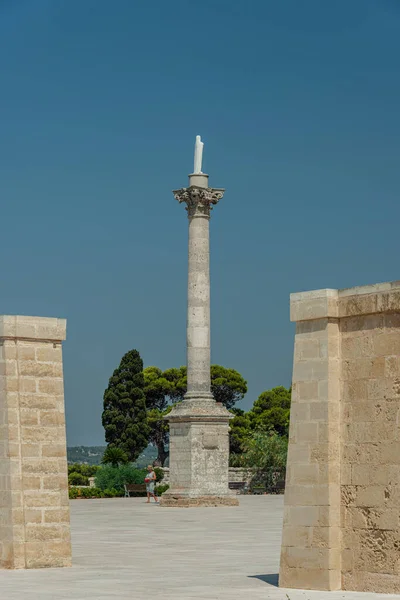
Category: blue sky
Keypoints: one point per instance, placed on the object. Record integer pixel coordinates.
(298, 106)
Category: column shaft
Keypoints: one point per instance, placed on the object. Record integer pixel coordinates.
(198, 316)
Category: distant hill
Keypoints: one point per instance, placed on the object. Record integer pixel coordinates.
(147, 456)
(92, 455)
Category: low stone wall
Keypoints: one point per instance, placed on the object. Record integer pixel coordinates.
(235, 474)
(240, 474)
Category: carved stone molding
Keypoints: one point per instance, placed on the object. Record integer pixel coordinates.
(199, 201)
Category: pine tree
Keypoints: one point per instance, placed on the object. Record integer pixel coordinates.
(124, 417)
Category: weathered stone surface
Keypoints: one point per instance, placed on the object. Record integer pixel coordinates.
(33, 473)
(199, 451)
(344, 448)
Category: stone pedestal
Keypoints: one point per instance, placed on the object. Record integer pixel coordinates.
(199, 427)
(199, 456)
(34, 505)
(342, 502)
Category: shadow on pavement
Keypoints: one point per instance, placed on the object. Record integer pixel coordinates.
(272, 579)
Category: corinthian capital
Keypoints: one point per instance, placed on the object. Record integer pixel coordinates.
(198, 200)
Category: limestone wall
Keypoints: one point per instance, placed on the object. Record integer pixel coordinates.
(235, 474)
(342, 503)
(371, 452)
(34, 506)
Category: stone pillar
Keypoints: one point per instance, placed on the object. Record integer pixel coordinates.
(198, 315)
(310, 557)
(34, 505)
(199, 427)
(342, 503)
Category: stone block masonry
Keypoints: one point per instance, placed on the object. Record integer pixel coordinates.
(34, 505)
(342, 503)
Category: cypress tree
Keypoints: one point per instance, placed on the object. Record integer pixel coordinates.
(124, 416)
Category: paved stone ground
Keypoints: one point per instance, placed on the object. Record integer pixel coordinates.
(124, 549)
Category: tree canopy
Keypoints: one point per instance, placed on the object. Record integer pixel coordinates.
(114, 456)
(161, 390)
(271, 411)
(165, 388)
(269, 415)
(124, 417)
(227, 385)
(239, 430)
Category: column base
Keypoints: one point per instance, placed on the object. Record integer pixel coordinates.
(181, 501)
(198, 407)
(199, 396)
(199, 455)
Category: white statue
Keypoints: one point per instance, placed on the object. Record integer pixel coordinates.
(198, 155)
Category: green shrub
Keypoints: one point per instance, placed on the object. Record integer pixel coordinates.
(159, 474)
(113, 493)
(86, 470)
(88, 493)
(108, 477)
(160, 489)
(265, 454)
(91, 493)
(77, 479)
(73, 493)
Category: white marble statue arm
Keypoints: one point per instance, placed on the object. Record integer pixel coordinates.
(198, 155)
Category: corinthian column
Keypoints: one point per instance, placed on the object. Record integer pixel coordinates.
(199, 426)
(199, 199)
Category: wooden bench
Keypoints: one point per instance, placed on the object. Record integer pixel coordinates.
(134, 488)
(239, 486)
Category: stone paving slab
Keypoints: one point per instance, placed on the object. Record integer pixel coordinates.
(125, 549)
